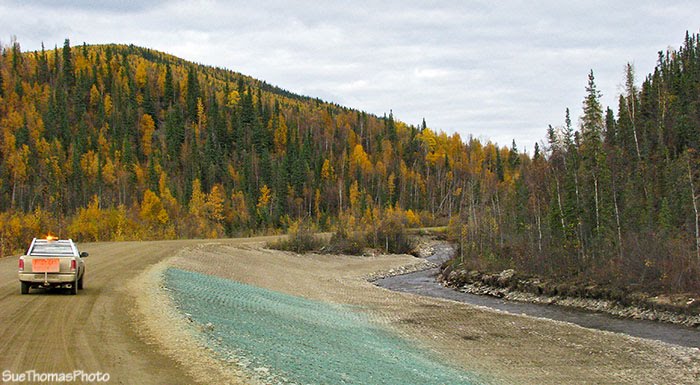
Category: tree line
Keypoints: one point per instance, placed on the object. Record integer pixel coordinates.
(110, 142)
(613, 200)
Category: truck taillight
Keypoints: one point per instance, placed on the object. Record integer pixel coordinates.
(21, 264)
(72, 264)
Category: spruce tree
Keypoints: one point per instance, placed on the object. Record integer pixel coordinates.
(192, 94)
(168, 87)
(499, 166)
(391, 127)
(68, 74)
(16, 59)
(610, 128)
(43, 67)
(594, 172)
(513, 157)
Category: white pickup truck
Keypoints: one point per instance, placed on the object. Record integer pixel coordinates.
(52, 263)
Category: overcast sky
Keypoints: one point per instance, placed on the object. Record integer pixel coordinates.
(498, 70)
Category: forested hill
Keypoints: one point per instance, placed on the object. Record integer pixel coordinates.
(120, 142)
(126, 142)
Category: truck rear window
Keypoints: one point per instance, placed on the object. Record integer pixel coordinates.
(43, 247)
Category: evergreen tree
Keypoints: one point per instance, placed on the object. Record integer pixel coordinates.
(43, 66)
(595, 174)
(499, 166)
(168, 87)
(68, 72)
(513, 157)
(16, 59)
(192, 94)
(610, 132)
(391, 127)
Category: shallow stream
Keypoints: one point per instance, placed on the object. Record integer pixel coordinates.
(425, 283)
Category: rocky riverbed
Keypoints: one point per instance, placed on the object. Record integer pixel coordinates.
(425, 282)
(512, 286)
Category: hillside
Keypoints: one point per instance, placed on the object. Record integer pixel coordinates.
(118, 142)
(126, 126)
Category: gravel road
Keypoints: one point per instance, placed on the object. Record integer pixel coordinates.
(95, 331)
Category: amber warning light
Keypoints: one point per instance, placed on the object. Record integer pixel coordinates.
(51, 238)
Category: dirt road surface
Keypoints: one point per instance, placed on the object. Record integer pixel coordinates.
(102, 330)
(95, 331)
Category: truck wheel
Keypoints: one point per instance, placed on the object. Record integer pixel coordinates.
(74, 288)
(25, 287)
(80, 283)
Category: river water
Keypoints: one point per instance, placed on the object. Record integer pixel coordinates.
(425, 283)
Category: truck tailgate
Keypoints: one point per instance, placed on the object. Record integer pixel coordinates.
(47, 264)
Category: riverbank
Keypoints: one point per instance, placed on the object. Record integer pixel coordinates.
(513, 286)
(424, 283)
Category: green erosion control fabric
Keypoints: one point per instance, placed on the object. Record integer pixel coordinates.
(287, 339)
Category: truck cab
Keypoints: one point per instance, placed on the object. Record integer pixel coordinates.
(52, 263)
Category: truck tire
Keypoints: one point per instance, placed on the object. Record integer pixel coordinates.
(25, 287)
(80, 283)
(74, 288)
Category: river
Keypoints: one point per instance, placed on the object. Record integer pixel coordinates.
(425, 283)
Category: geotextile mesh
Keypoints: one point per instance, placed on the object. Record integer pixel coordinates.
(286, 339)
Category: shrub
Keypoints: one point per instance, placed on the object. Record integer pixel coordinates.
(343, 243)
(301, 238)
(384, 230)
(396, 240)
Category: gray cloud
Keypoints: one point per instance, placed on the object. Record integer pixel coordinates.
(496, 70)
(95, 6)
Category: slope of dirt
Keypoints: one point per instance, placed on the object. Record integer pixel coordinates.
(287, 339)
(514, 349)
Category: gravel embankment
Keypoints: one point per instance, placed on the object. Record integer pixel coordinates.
(163, 325)
(503, 348)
